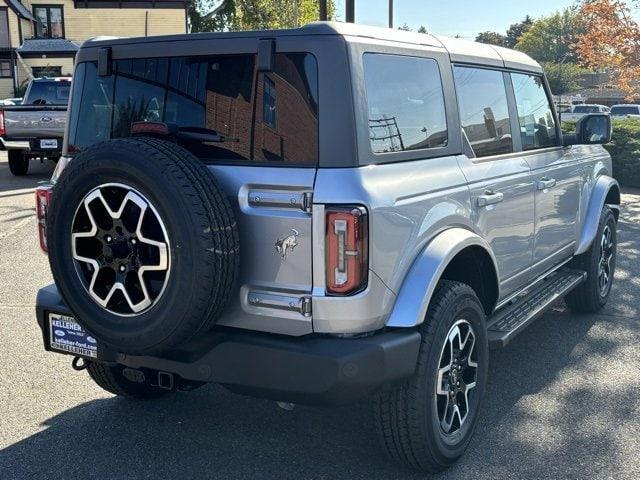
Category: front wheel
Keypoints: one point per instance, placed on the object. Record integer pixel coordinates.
(18, 163)
(600, 263)
(427, 423)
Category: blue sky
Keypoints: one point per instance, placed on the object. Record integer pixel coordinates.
(453, 17)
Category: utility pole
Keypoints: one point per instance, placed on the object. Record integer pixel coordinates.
(323, 11)
(390, 13)
(351, 11)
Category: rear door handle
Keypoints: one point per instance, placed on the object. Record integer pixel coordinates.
(490, 198)
(545, 183)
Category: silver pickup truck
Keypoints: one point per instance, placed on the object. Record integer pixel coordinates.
(318, 216)
(35, 128)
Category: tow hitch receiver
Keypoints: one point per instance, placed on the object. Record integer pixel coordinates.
(165, 380)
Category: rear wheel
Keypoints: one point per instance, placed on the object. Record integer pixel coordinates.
(600, 263)
(428, 422)
(18, 163)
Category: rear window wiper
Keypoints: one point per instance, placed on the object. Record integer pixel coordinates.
(204, 135)
(191, 134)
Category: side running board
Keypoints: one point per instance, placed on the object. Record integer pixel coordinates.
(509, 321)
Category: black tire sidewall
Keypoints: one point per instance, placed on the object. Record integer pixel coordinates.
(607, 219)
(18, 163)
(149, 330)
(467, 307)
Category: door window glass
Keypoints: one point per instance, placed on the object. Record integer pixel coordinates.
(484, 111)
(537, 123)
(405, 103)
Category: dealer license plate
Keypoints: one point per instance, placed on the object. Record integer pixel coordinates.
(49, 143)
(66, 335)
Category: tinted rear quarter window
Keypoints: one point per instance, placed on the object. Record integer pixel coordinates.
(484, 111)
(218, 105)
(405, 103)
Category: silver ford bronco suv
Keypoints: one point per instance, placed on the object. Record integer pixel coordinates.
(319, 216)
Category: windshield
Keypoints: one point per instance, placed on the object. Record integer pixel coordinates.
(586, 109)
(54, 92)
(625, 110)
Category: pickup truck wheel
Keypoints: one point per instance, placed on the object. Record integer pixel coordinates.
(112, 379)
(143, 244)
(600, 263)
(427, 423)
(18, 163)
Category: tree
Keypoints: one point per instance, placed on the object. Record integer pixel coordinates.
(611, 41)
(492, 38)
(210, 15)
(516, 30)
(552, 38)
(563, 77)
(422, 29)
(405, 28)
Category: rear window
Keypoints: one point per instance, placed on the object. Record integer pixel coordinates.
(585, 109)
(405, 103)
(625, 110)
(52, 92)
(220, 107)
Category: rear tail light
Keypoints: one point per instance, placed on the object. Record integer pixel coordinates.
(3, 131)
(43, 198)
(346, 250)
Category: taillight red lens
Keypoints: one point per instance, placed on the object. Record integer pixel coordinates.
(346, 250)
(3, 131)
(43, 198)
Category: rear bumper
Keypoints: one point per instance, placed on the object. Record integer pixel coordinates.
(14, 144)
(31, 145)
(313, 369)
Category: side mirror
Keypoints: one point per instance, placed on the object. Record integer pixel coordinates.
(592, 129)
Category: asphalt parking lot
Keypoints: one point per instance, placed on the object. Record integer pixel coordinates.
(562, 402)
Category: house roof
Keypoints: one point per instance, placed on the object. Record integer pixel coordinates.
(48, 45)
(20, 9)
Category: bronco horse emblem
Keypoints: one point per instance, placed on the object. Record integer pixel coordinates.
(283, 245)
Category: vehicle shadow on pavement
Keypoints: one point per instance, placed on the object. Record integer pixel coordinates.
(38, 173)
(562, 402)
(210, 433)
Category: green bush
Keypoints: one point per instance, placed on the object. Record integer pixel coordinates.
(624, 149)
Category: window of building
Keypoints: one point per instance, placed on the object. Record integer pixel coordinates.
(405, 103)
(49, 21)
(39, 72)
(537, 123)
(4, 29)
(269, 102)
(484, 111)
(213, 103)
(5, 69)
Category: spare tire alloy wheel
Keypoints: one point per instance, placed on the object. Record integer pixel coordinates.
(457, 375)
(120, 249)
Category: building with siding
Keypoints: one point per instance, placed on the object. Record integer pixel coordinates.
(41, 37)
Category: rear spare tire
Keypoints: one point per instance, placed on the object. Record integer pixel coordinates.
(143, 244)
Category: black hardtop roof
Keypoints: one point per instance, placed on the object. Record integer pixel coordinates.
(459, 50)
(314, 28)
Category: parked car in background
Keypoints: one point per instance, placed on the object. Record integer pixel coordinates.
(35, 128)
(579, 111)
(317, 216)
(626, 110)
